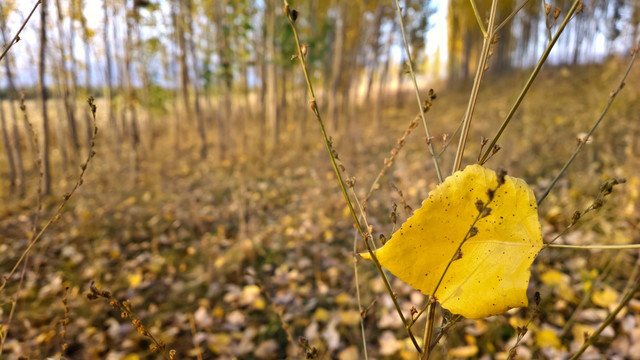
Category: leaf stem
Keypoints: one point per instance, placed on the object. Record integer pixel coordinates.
(482, 62)
(529, 82)
(415, 85)
(314, 107)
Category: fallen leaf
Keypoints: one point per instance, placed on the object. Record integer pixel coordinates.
(464, 351)
(605, 297)
(492, 274)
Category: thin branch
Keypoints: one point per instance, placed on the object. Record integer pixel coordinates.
(473, 97)
(592, 338)
(582, 142)
(478, 18)
(529, 82)
(591, 247)
(16, 38)
(314, 107)
(415, 85)
(505, 21)
(358, 297)
(66, 197)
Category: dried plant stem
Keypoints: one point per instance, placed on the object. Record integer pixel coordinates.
(599, 247)
(529, 82)
(443, 331)
(431, 315)
(65, 200)
(592, 338)
(365, 236)
(582, 142)
(192, 326)
(587, 296)
(14, 304)
(473, 97)
(126, 312)
(358, 297)
(478, 17)
(16, 38)
(513, 13)
(415, 85)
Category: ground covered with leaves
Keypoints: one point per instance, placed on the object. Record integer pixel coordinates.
(252, 257)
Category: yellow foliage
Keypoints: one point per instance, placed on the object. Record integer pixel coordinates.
(321, 314)
(548, 338)
(605, 297)
(463, 351)
(554, 277)
(135, 279)
(349, 317)
(492, 274)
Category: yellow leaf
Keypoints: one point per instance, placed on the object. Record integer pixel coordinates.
(547, 338)
(135, 279)
(554, 277)
(605, 297)
(131, 357)
(463, 351)
(349, 317)
(492, 274)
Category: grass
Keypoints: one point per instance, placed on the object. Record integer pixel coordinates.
(181, 236)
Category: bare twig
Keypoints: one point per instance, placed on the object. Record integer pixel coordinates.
(466, 123)
(478, 18)
(16, 38)
(513, 13)
(415, 85)
(592, 338)
(365, 236)
(529, 82)
(66, 197)
(582, 142)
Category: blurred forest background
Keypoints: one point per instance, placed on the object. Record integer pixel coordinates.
(211, 203)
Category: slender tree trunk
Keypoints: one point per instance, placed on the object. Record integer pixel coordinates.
(174, 92)
(16, 149)
(109, 83)
(46, 169)
(375, 49)
(133, 114)
(66, 89)
(271, 95)
(336, 66)
(87, 60)
(7, 148)
(381, 98)
(184, 71)
(226, 78)
(196, 87)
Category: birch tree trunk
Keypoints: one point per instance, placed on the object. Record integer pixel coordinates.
(46, 167)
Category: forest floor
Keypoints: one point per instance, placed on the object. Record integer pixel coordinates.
(240, 258)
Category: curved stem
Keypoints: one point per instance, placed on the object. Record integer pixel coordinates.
(591, 247)
(581, 143)
(592, 338)
(415, 85)
(478, 18)
(482, 62)
(365, 236)
(16, 38)
(529, 82)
